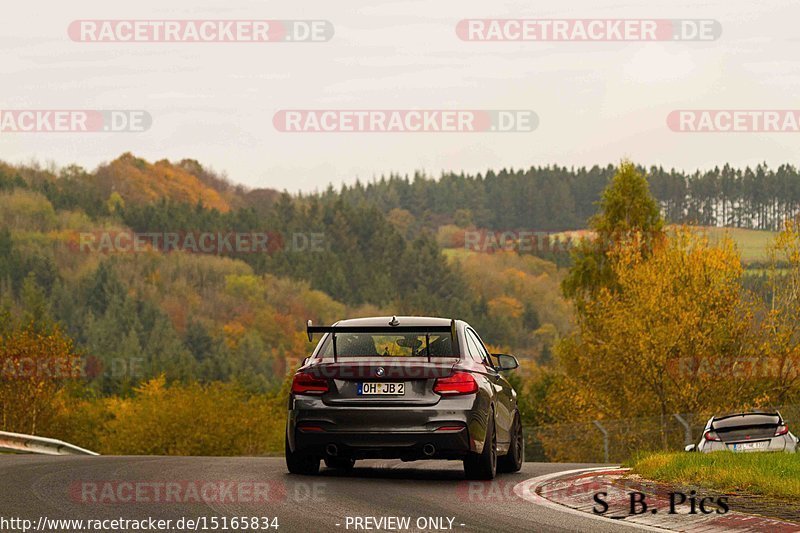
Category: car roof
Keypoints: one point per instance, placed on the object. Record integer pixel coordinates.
(402, 321)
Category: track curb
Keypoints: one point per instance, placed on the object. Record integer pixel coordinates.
(566, 501)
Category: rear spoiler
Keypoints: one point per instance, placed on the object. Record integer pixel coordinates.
(389, 328)
(749, 413)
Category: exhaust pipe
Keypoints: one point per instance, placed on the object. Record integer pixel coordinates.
(332, 450)
(429, 450)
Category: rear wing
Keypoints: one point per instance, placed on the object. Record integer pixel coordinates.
(389, 329)
(764, 415)
(749, 413)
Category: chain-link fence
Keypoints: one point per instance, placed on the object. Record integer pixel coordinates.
(614, 441)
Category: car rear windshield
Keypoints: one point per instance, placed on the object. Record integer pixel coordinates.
(389, 345)
(747, 420)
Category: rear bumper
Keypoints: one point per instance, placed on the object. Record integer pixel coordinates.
(385, 445)
(775, 444)
(388, 432)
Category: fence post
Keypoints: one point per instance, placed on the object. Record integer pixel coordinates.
(686, 428)
(605, 438)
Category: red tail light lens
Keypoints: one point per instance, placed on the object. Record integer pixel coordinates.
(307, 384)
(710, 435)
(783, 429)
(308, 427)
(458, 383)
(450, 428)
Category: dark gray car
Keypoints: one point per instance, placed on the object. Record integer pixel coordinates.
(403, 387)
(754, 431)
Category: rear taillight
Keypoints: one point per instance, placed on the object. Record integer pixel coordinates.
(310, 428)
(710, 435)
(458, 383)
(783, 429)
(307, 384)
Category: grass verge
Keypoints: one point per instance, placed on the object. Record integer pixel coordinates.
(769, 474)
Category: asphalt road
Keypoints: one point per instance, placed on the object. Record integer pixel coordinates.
(138, 488)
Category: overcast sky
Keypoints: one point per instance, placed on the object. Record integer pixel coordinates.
(596, 101)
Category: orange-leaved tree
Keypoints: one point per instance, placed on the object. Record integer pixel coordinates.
(665, 340)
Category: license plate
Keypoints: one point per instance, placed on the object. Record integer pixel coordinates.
(747, 446)
(381, 388)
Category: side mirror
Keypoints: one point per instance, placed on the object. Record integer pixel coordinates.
(305, 361)
(506, 362)
(690, 448)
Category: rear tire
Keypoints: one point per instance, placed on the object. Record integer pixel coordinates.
(300, 463)
(483, 465)
(340, 463)
(512, 461)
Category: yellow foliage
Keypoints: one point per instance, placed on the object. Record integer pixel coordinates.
(27, 211)
(234, 331)
(665, 341)
(34, 366)
(506, 306)
(193, 419)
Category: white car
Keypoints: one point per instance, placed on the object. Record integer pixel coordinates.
(754, 431)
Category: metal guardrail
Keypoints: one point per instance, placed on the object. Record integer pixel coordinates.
(19, 443)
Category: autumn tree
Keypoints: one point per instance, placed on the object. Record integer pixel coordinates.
(628, 212)
(780, 328)
(34, 366)
(665, 339)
